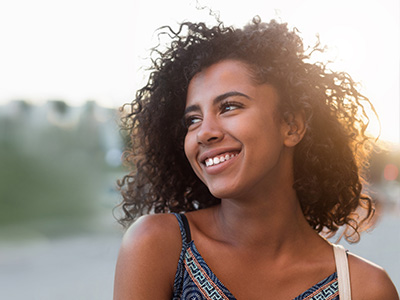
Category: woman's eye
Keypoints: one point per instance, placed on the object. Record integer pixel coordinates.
(229, 106)
(191, 120)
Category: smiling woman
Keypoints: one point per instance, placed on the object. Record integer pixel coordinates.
(232, 116)
(244, 152)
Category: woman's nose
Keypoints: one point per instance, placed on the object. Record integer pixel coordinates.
(209, 131)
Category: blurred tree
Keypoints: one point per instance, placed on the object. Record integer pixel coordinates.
(52, 169)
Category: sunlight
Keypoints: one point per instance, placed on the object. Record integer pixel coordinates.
(94, 50)
(362, 39)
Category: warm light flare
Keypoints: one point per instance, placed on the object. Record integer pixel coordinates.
(391, 172)
(94, 50)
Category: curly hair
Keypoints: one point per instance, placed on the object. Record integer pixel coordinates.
(328, 162)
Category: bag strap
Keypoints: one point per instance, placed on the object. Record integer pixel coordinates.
(342, 269)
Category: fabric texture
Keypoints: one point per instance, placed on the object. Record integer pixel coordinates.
(194, 280)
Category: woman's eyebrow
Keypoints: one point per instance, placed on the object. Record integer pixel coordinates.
(191, 108)
(230, 94)
(218, 99)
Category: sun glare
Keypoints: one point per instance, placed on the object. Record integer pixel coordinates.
(99, 55)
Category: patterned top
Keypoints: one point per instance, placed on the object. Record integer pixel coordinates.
(194, 280)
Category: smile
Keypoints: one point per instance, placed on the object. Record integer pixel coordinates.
(212, 161)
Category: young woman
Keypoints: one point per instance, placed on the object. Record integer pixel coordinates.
(243, 153)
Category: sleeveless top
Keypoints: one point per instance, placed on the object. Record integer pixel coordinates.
(194, 280)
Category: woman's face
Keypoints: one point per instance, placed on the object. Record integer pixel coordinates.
(235, 141)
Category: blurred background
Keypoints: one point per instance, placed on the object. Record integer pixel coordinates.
(65, 69)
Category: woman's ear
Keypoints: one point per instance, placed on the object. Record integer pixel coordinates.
(294, 128)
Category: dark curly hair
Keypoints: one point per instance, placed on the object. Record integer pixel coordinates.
(327, 162)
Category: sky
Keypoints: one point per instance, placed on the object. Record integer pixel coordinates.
(79, 50)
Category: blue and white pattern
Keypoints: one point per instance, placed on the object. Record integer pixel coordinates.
(194, 280)
(201, 275)
(326, 289)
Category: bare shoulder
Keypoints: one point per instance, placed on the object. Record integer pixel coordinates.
(148, 258)
(370, 281)
(163, 227)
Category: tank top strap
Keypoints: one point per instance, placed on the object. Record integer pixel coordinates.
(184, 228)
(342, 269)
(186, 239)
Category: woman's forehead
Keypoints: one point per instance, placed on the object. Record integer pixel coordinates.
(223, 75)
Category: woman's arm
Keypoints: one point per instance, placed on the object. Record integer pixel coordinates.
(148, 259)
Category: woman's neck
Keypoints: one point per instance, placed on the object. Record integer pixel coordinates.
(274, 223)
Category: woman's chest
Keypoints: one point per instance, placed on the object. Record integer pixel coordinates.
(252, 279)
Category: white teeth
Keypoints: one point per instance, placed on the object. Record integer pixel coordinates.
(217, 160)
(209, 162)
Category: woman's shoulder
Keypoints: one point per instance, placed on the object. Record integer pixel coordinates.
(163, 227)
(370, 281)
(156, 234)
(142, 258)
